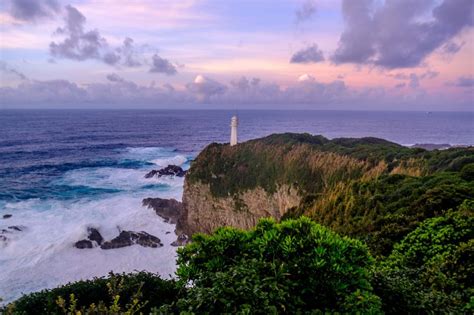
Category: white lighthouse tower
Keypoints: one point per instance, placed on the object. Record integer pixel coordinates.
(234, 122)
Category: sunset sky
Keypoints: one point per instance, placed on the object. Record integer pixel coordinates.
(249, 54)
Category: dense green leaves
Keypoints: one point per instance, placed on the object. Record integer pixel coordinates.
(382, 211)
(288, 267)
(432, 267)
(153, 290)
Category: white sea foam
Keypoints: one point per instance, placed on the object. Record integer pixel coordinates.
(43, 256)
(175, 160)
(118, 178)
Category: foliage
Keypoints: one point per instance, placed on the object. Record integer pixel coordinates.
(290, 267)
(382, 211)
(432, 267)
(100, 292)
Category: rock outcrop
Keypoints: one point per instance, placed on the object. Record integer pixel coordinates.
(170, 170)
(128, 238)
(168, 209)
(124, 239)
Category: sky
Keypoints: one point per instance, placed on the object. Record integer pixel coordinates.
(238, 54)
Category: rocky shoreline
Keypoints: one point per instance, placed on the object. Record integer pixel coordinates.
(170, 210)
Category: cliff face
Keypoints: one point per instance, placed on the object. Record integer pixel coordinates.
(205, 212)
(368, 187)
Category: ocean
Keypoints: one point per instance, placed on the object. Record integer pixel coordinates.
(62, 171)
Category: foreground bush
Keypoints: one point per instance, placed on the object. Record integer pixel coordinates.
(290, 267)
(431, 269)
(148, 289)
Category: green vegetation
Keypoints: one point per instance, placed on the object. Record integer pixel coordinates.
(292, 267)
(383, 210)
(142, 291)
(310, 163)
(432, 267)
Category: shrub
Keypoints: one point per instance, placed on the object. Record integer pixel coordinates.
(431, 269)
(290, 267)
(101, 291)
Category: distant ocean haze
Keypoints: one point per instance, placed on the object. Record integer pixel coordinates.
(62, 171)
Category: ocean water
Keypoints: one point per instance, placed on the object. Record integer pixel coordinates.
(62, 171)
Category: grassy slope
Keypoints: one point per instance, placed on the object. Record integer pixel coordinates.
(368, 188)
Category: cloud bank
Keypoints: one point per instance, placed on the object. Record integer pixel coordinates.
(80, 44)
(203, 92)
(400, 34)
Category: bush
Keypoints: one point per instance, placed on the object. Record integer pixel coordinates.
(431, 269)
(290, 267)
(154, 291)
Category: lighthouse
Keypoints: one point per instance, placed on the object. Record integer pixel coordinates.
(234, 122)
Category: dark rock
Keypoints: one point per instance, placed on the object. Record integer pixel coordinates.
(168, 209)
(124, 239)
(128, 238)
(170, 170)
(181, 241)
(94, 235)
(84, 244)
(7, 216)
(167, 232)
(93, 239)
(147, 240)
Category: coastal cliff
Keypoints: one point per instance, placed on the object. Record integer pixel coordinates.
(204, 212)
(352, 185)
(273, 176)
